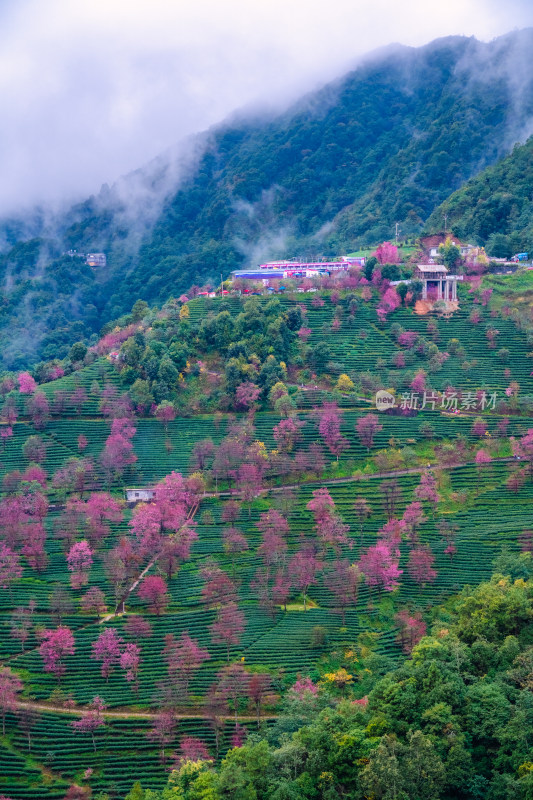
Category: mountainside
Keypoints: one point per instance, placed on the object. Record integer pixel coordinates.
(385, 144)
(495, 208)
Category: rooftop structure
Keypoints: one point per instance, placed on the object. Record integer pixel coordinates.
(437, 281)
(96, 260)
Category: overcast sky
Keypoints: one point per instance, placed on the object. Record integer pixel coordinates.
(91, 89)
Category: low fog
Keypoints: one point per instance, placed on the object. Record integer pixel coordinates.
(93, 89)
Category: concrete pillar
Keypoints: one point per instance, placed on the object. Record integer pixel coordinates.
(425, 291)
(454, 294)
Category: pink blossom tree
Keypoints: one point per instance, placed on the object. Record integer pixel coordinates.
(165, 413)
(479, 427)
(79, 562)
(234, 542)
(413, 517)
(411, 629)
(10, 567)
(366, 428)
(107, 649)
(184, 657)
(38, 408)
(386, 253)
(138, 627)
(93, 601)
(303, 568)
(163, 732)
(228, 626)
(420, 566)
(82, 442)
(259, 684)
(56, 645)
(427, 489)
(343, 581)
(92, 720)
(379, 565)
(27, 384)
(330, 431)
(286, 434)
(192, 749)
(246, 395)
(233, 684)
(153, 590)
(130, 660)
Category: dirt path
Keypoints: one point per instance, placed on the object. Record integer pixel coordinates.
(76, 712)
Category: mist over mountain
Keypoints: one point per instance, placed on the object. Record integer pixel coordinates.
(387, 143)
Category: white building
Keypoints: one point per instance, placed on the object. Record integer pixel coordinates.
(139, 495)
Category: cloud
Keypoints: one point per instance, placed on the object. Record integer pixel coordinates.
(92, 89)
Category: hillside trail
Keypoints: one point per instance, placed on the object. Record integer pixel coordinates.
(354, 478)
(76, 712)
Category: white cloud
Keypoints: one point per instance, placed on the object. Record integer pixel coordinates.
(94, 88)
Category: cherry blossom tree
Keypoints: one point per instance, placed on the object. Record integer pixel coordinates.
(343, 581)
(38, 408)
(6, 433)
(411, 629)
(10, 567)
(386, 253)
(523, 448)
(202, 454)
(107, 649)
(153, 590)
(303, 568)
(27, 385)
(138, 627)
(427, 489)
(366, 428)
(165, 413)
(249, 483)
(100, 509)
(233, 684)
(234, 542)
(259, 684)
(218, 588)
(93, 601)
(246, 395)
(479, 428)
(79, 562)
(130, 660)
(329, 429)
(420, 565)
(286, 434)
(363, 511)
(379, 565)
(10, 685)
(57, 644)
(82, 442)
(413, 517)
(20, 624)
(92, 720)
(192, 749)
(163, 732)
(228, 626)
(184, 657)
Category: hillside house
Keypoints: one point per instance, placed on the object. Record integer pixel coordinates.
(96, 260)
(437, 283)
(430, 244)
(139, 495)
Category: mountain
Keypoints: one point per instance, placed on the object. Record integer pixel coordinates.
(386, 143)
(495, 208)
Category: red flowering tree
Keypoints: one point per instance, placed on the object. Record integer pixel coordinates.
(286, 434)
(27, 384)
(330, 429)
(303, 568)
(411, 629)
(386, 253)
(246, 395)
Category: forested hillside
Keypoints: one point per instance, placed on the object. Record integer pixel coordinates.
(495, 208)
(385, 144)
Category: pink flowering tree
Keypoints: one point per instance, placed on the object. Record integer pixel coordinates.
(27, 384)
(192, 749)
(130, 660)
(420, 566)
(56, 646)
(379, 565)
(411, 629)
(153, 590)
(92, 720)
(107, 649)
(418, 384)
(389, 302)
(165, 413)
(246, 395)
(366, 428)
(303, 569)
(93, 601)
(330, 429)
(286, 434)
(483, 460)
(79, 562)
(523, 448)
(386, 253)
(427, 489)
(343, 581)
(228, 626)
(138, 627)
(184, 658)
(10, 567)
